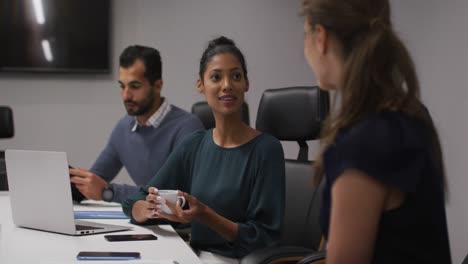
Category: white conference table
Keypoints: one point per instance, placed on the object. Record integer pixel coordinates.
(20, 245)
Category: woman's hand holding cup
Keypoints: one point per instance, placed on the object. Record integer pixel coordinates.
(174, 205)
(154, 203)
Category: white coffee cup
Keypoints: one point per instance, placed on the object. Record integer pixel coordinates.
(172, 196)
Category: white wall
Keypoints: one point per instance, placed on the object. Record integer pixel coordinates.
(76, 113)
(437, 36)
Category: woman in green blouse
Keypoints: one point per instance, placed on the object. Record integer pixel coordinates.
(232, 176)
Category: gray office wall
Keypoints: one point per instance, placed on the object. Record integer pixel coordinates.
(437, 37)
(76, 113)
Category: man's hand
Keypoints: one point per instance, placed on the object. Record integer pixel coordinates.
(88, 183)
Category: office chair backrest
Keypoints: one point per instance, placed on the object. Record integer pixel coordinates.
(293, 114)
(3, 176)
(296, 114)
(203, 111)
(6, 131)
(6, 122)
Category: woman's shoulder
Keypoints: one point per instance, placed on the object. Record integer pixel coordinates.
(389, 146)
(268, 144)
(265, 140)
(268, 138)
(385, 129)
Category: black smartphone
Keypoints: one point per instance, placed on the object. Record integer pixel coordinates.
(96, 255)
(131, 237)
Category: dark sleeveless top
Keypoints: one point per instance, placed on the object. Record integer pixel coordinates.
(397, 151)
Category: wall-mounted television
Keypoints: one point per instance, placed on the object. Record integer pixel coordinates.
(55, 36)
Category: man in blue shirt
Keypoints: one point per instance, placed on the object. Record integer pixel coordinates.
(143, 139)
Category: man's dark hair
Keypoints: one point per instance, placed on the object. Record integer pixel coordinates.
(150, 58)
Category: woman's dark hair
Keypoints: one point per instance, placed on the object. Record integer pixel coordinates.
(150, 58)
(379, 74)
(218, 46)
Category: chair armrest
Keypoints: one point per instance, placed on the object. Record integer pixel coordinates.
(277, 254)
(314, 258)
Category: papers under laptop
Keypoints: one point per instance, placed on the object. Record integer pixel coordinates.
(40, 194)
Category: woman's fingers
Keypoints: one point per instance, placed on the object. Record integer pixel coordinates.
(152, 210)
(178, 210)
(189, 198)
(151, 198)
(170, 205)
(153, 190)
(178, 213)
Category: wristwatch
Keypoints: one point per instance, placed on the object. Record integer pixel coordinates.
(108, 193)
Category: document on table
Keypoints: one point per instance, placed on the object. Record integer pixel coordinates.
(100, 215)
(94, 203)
(114, 262)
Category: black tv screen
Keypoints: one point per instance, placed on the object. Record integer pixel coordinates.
(55, 35)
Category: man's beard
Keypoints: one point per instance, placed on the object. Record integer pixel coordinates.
(142, 107)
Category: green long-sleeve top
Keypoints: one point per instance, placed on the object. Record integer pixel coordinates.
(244, 184)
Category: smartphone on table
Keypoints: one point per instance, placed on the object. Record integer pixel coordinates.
(130, 237)
(100, 255)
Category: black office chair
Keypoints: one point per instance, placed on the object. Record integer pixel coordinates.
(6, 122)
(203, 111)
(294, 114)
(6, 131)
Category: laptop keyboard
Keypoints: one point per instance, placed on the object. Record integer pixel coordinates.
(84, 227)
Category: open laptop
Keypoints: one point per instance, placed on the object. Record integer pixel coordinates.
(40, 194)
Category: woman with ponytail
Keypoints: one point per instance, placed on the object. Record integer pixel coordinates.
(384, 197)
(232, 176)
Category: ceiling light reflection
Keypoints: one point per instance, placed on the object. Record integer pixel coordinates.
(47, 51)
(39, 11)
